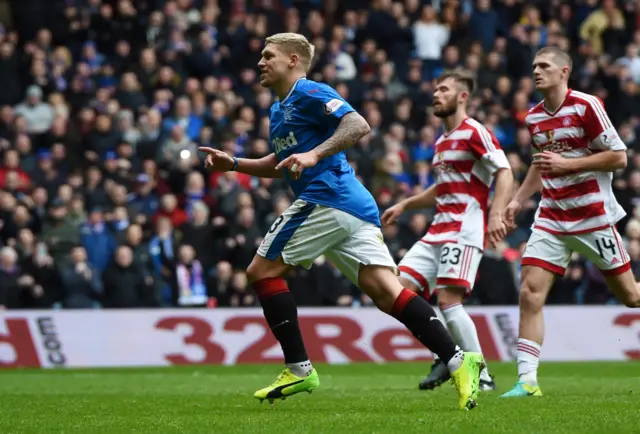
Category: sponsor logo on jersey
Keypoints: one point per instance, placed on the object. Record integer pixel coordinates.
(556, 147)
(332, 106)
(282, 143)
(553, 145)
(443, 167)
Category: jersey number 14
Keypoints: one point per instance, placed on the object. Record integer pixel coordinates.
(605, 243)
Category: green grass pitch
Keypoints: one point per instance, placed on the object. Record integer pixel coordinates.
(359, 398)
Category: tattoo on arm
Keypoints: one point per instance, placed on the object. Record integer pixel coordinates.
(352, 127)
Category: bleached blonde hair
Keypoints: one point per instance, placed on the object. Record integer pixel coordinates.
(294, 43)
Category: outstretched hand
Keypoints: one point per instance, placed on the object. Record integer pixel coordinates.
(216, 160)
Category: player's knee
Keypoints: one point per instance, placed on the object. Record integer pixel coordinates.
(262, 268)
(630, 291)
(406, 283)
(632, 299)
(532, 296)
(254, 272)
(381, 285)
(450, 295)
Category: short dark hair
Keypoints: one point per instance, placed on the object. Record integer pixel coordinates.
(560, 57)
(459, 75)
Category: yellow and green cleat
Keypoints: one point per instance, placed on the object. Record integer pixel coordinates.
(521, 390)
(466, 379)
(288, 384)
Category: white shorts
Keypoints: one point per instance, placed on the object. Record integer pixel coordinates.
(306, 231)
(433, 266)
(553, 252)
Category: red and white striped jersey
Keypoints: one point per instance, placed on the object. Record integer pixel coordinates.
(465, 162)
(579, 202)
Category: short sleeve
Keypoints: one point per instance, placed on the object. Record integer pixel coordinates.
(486, 147)
(325, 104)
(600, 131)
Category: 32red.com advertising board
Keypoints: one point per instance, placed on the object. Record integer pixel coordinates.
(235, 336)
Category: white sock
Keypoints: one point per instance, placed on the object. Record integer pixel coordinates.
(300, 369)
(463, 330)
(528, 360)
(456, 361)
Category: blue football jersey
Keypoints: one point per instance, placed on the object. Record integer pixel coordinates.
(304, 119)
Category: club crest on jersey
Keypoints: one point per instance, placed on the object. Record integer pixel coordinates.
(287, 113)
(566, 122)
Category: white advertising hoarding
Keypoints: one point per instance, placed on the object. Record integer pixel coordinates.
(110, 338)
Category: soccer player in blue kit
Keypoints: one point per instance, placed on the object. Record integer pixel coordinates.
(333, 215)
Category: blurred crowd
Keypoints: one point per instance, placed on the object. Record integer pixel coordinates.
(104, 201)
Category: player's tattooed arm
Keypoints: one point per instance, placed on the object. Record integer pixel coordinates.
(352, 128)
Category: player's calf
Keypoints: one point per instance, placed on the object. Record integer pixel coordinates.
(462, 329)
(419, 317)
(385, 290)
(280, 311)
(536, 283)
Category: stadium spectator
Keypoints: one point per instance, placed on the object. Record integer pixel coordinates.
(103, 108)
(81, 282)
(124, 281)
(43, 287)
(240, 295)
(190, 288)
(98, 240)
(60, 233)
(10, 279)
(163, 248)
(38, 114)
(198, 232)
